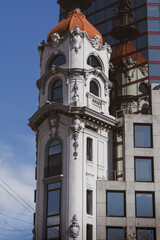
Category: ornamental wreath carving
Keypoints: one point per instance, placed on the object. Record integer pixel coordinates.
(74, 229)
(76, 38)
(76, 127)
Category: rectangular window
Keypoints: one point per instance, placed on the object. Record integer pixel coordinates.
(116, 204)
(154, 54)
(146, 233)
(154, 39)
(143, 135)
(154, 69)
(115, 233)
(143, 169)
(154, 25)
(89, 201)
(89, 232)
(153, 11)
(89, 149)
(53, 211)
(144, 204)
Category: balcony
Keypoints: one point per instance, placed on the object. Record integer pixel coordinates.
(95, 103)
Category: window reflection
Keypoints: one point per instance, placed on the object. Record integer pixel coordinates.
(144, 205)
(53, 211)
(142, 136)
(57, 94)
(115, 204)
(54, 159)
(154, 70)
(143, 169)
(154, 39)
(115, 233)
(153, 11)
(146, 233)
(154, 54)
(154, 25)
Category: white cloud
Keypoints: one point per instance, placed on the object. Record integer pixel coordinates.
(20, 178)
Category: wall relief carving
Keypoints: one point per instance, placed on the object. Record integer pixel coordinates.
(74, 228)
(76, 38)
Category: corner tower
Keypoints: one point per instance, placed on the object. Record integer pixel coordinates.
(73, 127)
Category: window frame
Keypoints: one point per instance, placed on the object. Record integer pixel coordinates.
(146, 228)
(153, 204)
(151, 134)
(152, 168)
(124, 203)
(90, 148)
(47, 191)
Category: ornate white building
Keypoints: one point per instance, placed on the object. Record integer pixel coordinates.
(80, 194)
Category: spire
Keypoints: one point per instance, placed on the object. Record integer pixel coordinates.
(70, 5)
(123, 27)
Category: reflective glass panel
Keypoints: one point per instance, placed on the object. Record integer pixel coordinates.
(154, 39)
(53, 202)
(148, 234)
(154, 25)
(53, 233)
(53, 186)
(154, 54)
(115, 204)
(153, 11)
(55, 220)
(142, 136)
(115, 233)
(143, 169)
(57, 95)
(144, 205)
(154, 69)
(155, 1)
(55, 147)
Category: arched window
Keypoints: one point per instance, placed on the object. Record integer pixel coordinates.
(94, 62)
(94, 89)
(143, 88)
(54, 158)
(57, 61)
(57, 95)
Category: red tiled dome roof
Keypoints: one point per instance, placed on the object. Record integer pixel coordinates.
(73, 19)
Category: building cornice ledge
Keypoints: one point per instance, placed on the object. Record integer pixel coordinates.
(83, 112)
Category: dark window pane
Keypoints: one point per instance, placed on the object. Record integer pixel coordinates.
(89, 232)
(144, 205)
(143, 88)
(53, 186)
(94, 88)
(57, 95)
(115, 204)
(148, 234)
(54, 147)
(143, 169)
(53, 233)
(142, 135)
(53, 202)
(58, 61)
(89, 149)
(93, 62)
(115, 233)
(89, 201)
(55, 220)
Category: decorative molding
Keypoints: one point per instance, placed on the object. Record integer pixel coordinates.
(75, 89)
(76, 38)
(53, 121)
(74, 228)
(55, 38)
(76, 127)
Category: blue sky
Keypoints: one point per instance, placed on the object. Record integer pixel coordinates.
(23, 25)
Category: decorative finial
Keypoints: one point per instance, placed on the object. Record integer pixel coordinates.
(70, 5)
(123, 27)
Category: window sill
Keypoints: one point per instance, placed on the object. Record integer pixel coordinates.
(53, 179)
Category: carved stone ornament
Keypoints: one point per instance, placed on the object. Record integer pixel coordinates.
(55, 38)
(129, 63)
(74, 229)
(75, 89)
(96, 44)
(76, 127)
(53, 125)
(76, 38)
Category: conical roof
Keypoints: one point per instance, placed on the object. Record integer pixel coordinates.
(73, 19)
